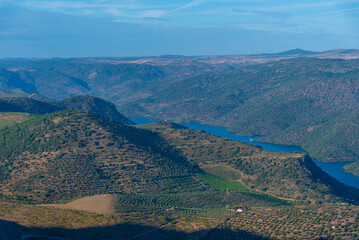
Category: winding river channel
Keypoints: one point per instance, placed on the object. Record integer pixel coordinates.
(333, 169)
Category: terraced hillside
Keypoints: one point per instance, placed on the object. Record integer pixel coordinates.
(291, 175)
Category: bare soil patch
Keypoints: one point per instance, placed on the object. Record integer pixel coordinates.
(101, 204)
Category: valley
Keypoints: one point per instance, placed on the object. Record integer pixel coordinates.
(291, 97)
(73, 167)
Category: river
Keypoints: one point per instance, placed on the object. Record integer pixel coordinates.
(333, 169)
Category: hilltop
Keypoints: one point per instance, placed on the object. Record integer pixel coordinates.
(94, 105)
(70, 154)
(37, 104)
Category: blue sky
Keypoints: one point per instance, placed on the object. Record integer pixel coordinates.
(155, 27)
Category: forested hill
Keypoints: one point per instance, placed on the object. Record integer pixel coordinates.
(304, 101)
(85, 103)
(94, 105)
(27, 105)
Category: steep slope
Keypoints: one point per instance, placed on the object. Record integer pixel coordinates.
(94, 105)
(292, 175)
(44, 105)
(40, 97)
(282, 101)
(12, 81)
(55, 84)
(119, 80)
(27, 105)
(71, 154)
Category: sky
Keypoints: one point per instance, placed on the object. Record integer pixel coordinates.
(85, 28)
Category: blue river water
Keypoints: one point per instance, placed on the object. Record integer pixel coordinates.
(333, 169)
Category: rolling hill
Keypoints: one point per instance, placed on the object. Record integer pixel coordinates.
(72, 153)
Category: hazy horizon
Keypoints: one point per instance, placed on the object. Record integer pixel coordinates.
(106, 28)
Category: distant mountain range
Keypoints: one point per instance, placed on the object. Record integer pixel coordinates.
(124, 80)
(334, 53)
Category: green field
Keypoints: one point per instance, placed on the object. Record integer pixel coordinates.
(18, 113)
(11, 118)
(4, 123)
(217, 183)
(223, 172)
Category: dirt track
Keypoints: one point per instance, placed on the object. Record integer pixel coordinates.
(102, 204)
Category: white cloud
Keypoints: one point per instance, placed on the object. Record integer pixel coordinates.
(87, 12)
(304, 6)
(190, 4)
(153, 13)
(114, 11)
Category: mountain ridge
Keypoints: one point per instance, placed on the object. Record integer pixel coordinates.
(37, 104)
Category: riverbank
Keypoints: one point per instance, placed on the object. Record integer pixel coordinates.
(335, 170)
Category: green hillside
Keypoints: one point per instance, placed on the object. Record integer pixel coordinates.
(291, 175)
(167, 180)
(71, 154)
(27, 105)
